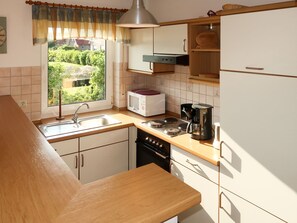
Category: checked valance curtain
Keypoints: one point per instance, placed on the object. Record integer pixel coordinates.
(53, 23)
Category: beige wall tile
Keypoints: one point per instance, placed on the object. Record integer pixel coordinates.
(26, 71)
(27, 97)
(26, 80)
(26, 89)
(4, 81)
(36, 107)
(5, 91)
(36, 98)
(36, 89)
(4, 72)
(16, 98)
(17, 90)
(16, 81)
(36, 71)
(35, 116)
(36, 80)
(16, 71)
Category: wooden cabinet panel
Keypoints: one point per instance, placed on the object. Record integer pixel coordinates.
(66, 147)
(171, 39)
(104, 161)
(102, 139)
(261, 42)
(236, 210)
(207, 211)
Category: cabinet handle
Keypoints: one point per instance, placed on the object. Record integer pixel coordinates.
(184, 45)
(76, 161)
(188, 161)
(221, 149)
(82, 160)
(254, 68)
(151, 66)
(220, 200)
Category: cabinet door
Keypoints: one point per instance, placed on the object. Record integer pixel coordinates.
(264, 42)
(103, 162)
(171, 39)
(236, 210)
(66, 147)
(72, 162)
(207, 211)
(141, 44)
(102, 139)
(258, 130)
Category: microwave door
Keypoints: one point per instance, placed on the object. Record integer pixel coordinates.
(134, 102)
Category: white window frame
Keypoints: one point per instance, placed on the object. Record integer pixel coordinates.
(47, 112)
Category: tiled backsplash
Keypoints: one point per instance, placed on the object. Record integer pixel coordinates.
(176, 86)
(24, 85)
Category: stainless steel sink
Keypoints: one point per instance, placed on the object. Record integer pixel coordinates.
(66, 127)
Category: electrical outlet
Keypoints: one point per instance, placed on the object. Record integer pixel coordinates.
(23, 103)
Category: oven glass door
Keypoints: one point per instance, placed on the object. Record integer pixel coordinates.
(146, 155)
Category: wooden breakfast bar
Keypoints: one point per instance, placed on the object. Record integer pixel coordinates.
(37, 186)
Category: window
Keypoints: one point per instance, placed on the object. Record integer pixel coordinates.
(78, 68)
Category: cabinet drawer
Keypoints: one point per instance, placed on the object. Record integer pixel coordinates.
(199, 166)
(102, 139)
(66, 147)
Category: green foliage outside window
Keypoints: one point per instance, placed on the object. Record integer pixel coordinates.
(69, 63)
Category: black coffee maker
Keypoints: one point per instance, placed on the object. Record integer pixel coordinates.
(200, 125)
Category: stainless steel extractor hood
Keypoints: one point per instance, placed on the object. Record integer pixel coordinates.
(167, 59)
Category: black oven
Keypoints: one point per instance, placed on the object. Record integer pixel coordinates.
(151, 149)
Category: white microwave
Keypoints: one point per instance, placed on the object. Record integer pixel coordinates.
(146, 102)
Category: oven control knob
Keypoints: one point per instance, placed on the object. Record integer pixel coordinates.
(154, 142)
(161, 146)
(150, 140)
(147, 138)
(157, 144)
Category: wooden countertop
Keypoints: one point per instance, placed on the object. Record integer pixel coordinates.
(38, 187)
(133, 197)
(35, 183)
(201, 149)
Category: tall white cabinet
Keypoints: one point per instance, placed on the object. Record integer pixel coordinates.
(258, 117)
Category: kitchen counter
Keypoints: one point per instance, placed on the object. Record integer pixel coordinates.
(202, 149)
(132, 196)
(37, 186)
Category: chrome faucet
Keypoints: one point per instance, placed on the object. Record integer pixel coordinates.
(75, 116)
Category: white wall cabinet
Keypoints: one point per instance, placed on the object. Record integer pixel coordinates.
(251, 41)
(197, 176)
(141, 44)
(171, 39)
(96, 156)
(142, 41)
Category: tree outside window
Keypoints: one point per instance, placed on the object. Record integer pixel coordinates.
(77, 68)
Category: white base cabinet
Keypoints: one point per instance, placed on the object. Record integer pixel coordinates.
(96, 156)
(199, 175)
(103, 162)
(72, 162)
(234, 209)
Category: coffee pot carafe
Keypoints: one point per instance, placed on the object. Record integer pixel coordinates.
(200, 126)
